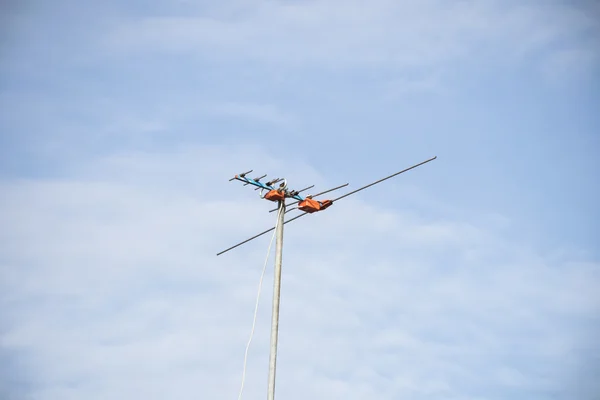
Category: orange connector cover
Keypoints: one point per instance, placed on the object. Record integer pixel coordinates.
(275, 195)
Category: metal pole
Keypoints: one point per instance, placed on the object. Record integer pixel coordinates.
(276, 292)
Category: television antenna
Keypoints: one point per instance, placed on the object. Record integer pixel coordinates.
(308, 205)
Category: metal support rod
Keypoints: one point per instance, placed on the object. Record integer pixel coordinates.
(314, 195)
(383, 179)
(297, 192)
(276, 296)
(333, 200)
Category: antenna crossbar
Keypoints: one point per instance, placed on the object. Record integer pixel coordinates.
(300, 198)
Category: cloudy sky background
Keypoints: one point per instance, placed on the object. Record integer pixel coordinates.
(476, 276)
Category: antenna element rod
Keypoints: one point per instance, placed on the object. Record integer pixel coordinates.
(383, 179)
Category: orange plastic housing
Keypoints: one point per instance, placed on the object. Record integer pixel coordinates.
(275, 195)
(311, 206)
(325, 204)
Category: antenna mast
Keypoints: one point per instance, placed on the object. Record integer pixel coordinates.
(276, 297)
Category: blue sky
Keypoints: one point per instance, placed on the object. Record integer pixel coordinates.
(473, 277)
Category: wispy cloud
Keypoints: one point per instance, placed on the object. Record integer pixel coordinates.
(112, 286)
(571, 64)
(474, 277)
(349, 34)
(266, 113)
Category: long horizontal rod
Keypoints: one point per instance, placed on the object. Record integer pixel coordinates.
(260, 234)
(306, 188)
(383, 179)
(339, 198)
(364, 187)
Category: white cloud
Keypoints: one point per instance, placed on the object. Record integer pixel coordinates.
(259, 112)
(381, 33)
(112, 289)
(570, 64)
(108, 277)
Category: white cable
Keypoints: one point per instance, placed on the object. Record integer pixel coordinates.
(262, 275)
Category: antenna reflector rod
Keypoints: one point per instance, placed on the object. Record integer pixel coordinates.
(240, 175)
(256, 179)
(306, 188)
(271, 183)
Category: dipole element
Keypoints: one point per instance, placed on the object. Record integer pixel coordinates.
(276, 298)
(333, 200)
